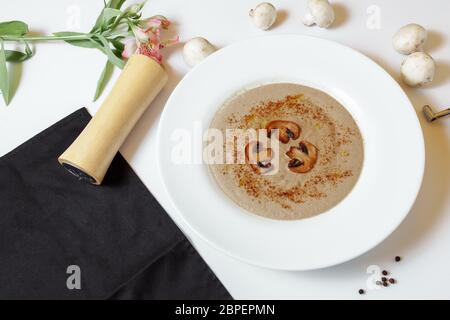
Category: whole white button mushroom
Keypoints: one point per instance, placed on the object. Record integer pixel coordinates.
(197, 49)
(320, 13)
(418, 69)
(409, 38)
(264, 15)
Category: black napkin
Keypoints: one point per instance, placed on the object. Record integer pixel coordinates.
(124, 243)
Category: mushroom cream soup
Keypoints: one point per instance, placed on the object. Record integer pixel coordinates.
(307, 159)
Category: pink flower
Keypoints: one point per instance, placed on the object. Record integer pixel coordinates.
(154, 39)
(151, 52)
(170, 42)
(140, 34)
(148, 41)
(153, 23)
(157, 22)
(130, 48)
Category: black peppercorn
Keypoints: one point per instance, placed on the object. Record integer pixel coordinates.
(361, 291)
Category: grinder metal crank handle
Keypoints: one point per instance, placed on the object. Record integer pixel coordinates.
(431, 115)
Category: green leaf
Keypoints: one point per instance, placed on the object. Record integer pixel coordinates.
(104, 78)
(119, 46)
(106, 18)
(16, 56)
(85, 43)
(109, 14)
(133, 11)
(114, 57)
(4, 78)
(28, 50)
(118, 34)
(19, 56)
(13, 28)
(99, 23)
(115, 4)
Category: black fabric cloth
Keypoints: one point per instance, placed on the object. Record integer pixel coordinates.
(124, 243)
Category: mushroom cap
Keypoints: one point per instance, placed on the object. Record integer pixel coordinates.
(303, 157)
(409, 38)
(287, 130)
(418, 69)
(308, 19)
(322, 13)
(264, 15)
(259, 157)
(197, 49)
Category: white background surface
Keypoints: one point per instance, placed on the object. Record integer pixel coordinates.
(62, 78)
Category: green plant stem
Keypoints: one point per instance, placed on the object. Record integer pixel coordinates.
(46, 38)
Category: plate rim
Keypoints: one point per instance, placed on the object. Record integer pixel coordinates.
(394, 226)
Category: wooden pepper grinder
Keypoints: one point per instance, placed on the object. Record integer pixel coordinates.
(90, 155)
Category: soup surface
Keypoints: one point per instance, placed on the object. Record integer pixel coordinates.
(305, 157)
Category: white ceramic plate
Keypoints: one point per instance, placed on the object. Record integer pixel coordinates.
(386, 190)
